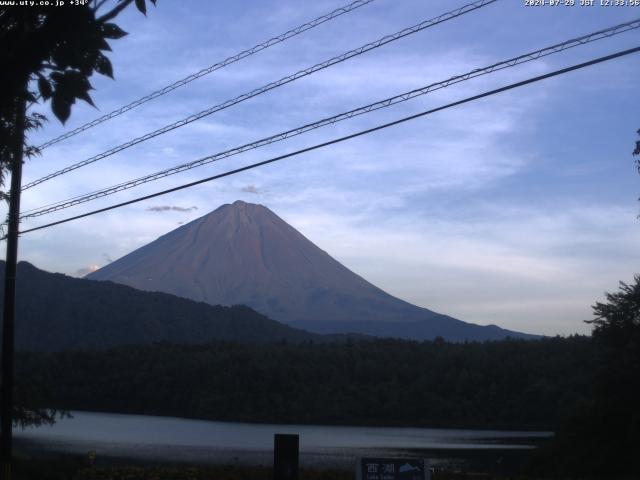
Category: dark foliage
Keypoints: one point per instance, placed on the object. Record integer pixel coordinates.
(603, 439)
(503, 384)
(49, 53)
(54, 50)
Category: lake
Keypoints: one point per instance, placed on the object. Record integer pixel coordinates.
(167, 440)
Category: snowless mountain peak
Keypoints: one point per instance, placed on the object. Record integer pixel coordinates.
(243, 253)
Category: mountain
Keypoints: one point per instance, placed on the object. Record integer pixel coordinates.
(57, 312)
(243, 253)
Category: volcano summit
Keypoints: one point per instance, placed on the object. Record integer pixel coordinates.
(243, 253)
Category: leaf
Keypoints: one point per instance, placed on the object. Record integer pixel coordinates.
(31, 151)
(66, 85)
(76, 85)
(61, 108)
(104, 45)
(103, 66)
(30, 96)
(56, 76)
(34, 121)
(141, 6)
(111, 30)
(84, 95)
(39, 117)
(88, 63)
(69, 86)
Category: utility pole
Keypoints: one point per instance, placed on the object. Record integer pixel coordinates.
(9, 311)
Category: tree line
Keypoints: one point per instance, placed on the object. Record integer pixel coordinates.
(499, 384)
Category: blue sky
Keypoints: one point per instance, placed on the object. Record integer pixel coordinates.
(518, 209)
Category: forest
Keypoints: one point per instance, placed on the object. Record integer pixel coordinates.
(585, 389)
(513, 384)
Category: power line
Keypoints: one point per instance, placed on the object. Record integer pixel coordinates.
(206, 71)
(270, 86)
(591, 37)
(342, 139)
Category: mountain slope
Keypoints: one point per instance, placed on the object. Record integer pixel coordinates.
(245, 254)
(56, 312)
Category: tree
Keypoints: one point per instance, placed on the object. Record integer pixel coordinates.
(54, 49)
(617, 389)
(620, 316)
(603, 439)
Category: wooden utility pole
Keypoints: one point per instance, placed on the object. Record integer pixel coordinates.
(9, 311)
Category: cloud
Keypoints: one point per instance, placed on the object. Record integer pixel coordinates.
(481, 199)
(250, 189)
(107, 258)
(535, 268)
(168, 208)
(81, 272)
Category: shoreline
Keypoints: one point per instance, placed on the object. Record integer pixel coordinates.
(495, 460)
(541, 431)
(123, 441)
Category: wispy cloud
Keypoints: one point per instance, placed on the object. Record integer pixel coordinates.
(473, 211)
(250, 189)
(171, 208)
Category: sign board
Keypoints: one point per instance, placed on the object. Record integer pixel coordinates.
(392, 469)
